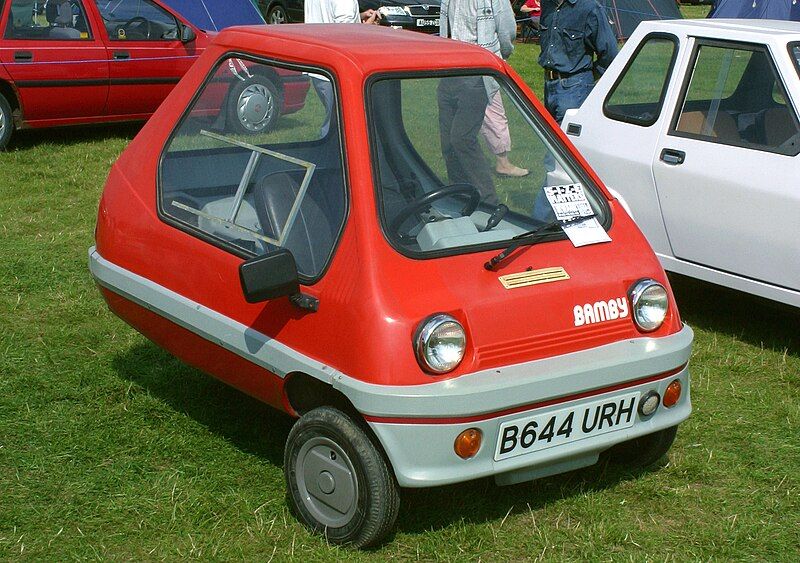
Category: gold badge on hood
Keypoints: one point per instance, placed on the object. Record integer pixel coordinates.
(533, 277)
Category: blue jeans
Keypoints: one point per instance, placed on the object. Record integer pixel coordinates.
(567, 93)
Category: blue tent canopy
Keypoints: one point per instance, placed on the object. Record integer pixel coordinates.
(215, 15)
(757, 9)
(625, 15)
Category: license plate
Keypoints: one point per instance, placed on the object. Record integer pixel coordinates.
(428, 23)
(584, 420)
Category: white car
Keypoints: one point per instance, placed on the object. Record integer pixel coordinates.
(695, 125)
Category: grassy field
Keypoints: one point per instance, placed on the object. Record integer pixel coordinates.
(111, 449)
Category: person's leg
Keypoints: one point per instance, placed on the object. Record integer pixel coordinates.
(496, 134)
(448, 105)
(567, 93)
(324, 90)
(472, 102)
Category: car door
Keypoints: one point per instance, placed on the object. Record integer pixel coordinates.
(726, 167)
(147, 56)
(617, 127)
(55, 58)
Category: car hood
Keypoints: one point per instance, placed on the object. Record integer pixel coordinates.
(216, 15)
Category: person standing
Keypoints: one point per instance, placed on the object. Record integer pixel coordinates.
(463, 99)
(337, 11)
(577, 42)
(333, 11)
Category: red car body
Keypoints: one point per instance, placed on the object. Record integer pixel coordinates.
(93, 78)
(372, 298)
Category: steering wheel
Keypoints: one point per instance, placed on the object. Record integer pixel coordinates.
(425, 201)
(138, 20)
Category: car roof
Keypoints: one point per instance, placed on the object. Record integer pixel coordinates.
(369, 48)
(729, 28)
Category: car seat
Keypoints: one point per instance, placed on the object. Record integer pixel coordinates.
(60, 16)
(724, 126)
(310, 238)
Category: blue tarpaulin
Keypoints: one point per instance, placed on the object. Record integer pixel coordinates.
(757, 9)
(625, 15)
(215, 15)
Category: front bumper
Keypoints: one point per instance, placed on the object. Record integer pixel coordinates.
(417, 426)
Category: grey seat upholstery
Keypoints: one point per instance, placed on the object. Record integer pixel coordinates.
(60, 14)
(310, 238)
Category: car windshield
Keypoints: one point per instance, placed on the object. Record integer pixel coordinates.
(462, 162)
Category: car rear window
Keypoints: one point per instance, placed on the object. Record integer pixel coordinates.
(794, 50)
(735, 96)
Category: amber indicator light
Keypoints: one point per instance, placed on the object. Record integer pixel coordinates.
(468, 443)
(672, 394)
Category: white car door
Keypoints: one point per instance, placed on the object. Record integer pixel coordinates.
(617, 127)
(727, 167)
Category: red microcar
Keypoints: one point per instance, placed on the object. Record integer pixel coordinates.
(361, 268)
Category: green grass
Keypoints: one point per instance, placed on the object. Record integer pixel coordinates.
(112, 449)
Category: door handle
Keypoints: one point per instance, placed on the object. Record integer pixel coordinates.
(23, 57)
(673, 157)
(121, 55)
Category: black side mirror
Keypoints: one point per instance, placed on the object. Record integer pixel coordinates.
(270, 276)
(187, 34)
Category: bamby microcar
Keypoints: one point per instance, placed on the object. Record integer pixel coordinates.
(425, 321)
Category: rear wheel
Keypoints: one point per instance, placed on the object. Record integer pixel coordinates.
(277, 14)
(644, 451)
(254, 105)
(6, 122)
(338, 482)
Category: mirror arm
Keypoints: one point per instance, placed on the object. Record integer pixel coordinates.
(305, 302)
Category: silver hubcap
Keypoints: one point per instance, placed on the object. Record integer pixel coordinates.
(2, 124)
(327, 482)
(277, 16)
(255, 107)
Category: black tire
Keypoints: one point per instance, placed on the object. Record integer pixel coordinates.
(361, 506)
(277, 15)
(254, 105)
(644, 451)
(6, 122)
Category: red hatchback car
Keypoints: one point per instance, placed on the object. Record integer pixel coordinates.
(424, 328)
(65, 62)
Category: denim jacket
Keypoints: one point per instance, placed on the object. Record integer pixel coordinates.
(572, 31)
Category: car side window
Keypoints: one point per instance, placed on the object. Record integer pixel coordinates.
(794, 51)
(735, 96)
(256, 164)
(639, 93)
(137, 20)
(60, 20)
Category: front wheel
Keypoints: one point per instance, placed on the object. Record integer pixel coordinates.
(338, 481)
(6, 122)
(254, 105)
(644, 451)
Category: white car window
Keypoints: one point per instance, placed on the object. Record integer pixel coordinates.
(639, 92)
(735, 97)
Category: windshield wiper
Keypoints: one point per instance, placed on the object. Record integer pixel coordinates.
(529, 236)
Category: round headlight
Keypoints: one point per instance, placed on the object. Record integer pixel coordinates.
(649, 303)
(440, 343)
